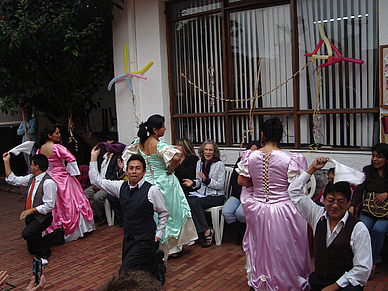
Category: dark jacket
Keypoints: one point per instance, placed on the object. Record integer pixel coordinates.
(112, 172)
(186, 170)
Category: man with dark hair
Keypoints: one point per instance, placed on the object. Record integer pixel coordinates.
(342, 245)
(139, 200)
(42, 194)
(130, 280)
(109, 169)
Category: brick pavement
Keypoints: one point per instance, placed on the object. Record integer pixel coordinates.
(87, 263)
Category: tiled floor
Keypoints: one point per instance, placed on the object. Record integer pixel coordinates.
(87, 263)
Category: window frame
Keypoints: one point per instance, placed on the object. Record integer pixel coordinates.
(230, 112)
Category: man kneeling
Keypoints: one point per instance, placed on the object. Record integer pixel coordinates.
(139, 200)
(42, 194)
(342, 244)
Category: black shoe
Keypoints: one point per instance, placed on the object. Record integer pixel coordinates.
(176, 255)
(161, 268)
(208, 239)
(162, 271)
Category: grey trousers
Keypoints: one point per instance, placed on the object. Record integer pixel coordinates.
(97, 200)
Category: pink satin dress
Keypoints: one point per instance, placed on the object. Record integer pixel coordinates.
(276, 240)
(72, 209)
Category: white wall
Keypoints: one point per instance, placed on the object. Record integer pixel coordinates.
(142, 25)
(383, 22)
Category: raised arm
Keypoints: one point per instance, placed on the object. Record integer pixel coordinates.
(110, 186)
(7, 164)
(304, 204)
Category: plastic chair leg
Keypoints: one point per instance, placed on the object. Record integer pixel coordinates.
(218, 225)
(110, 215)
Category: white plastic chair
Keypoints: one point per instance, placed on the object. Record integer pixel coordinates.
(216, 211)
(110, 214)
(311, 186)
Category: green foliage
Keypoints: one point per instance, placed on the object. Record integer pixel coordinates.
(54, 54)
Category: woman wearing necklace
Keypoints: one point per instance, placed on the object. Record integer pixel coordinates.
(161, 160)
(207, 188)
(187, 163)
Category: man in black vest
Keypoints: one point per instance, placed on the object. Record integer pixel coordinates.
(42, 193)
(342, 244)
(139, 200)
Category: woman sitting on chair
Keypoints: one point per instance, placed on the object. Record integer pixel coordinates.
(208, 186)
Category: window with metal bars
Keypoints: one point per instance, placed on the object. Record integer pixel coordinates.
(232, 64)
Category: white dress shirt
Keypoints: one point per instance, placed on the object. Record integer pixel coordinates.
(105, 164)
(49, 190)
(360, 240)
(155, 196)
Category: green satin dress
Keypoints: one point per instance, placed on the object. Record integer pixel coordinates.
(180, 229)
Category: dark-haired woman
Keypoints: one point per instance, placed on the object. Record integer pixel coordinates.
(276, 237)
(232, 210)
(161, 160)
(207, 188)
(376, 180)
(187, 163)
(72, 210)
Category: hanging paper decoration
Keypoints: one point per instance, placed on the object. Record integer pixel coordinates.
(70, 129)
(330, 47)
(317, 116)
(126, 76)
(210, 71)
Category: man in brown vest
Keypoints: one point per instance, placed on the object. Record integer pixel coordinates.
(42, 193)
(342, 244)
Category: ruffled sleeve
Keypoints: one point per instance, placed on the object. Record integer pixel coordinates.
(72, 168)
(167, 152)
(296, 166)
(130, 150)
(242, 167)
(64, 154)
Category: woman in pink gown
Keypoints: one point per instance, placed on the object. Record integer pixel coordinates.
(275, 241)
(72, 210)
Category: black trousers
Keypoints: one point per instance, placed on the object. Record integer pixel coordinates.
(140, 255)
(315, 286)
(197, 206)
(36, 244)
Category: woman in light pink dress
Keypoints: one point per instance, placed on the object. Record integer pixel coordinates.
(275, 241)
(72, 210)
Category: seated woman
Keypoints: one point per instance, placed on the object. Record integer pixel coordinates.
(376, 182)
(187, 163)
(209, 186)
(232, 210)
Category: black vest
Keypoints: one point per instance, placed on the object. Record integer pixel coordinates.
(138, 212)
(332, 262)
(38, 199)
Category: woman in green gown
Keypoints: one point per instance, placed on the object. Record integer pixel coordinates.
(161, 160)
